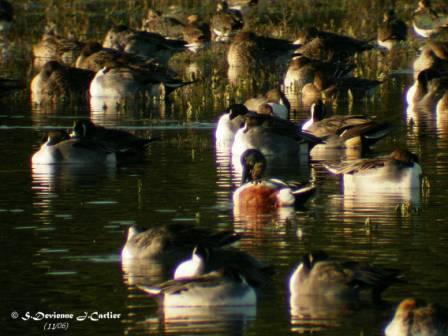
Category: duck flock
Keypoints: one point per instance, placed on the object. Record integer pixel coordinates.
(202, 269)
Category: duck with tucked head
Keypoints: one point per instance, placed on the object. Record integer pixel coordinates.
(276, 99)
(264, 193)
(328, 46)
(59, 81)
(320, 277)
(123, 143)
(225, 287)
(399, 171)
(61, 149)
(417, 318)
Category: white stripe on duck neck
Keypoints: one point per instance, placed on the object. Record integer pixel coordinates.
(191, 267)
(317, 114)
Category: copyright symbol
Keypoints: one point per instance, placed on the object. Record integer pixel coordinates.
(14, 315)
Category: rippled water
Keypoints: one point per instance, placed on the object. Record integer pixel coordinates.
(63, 227)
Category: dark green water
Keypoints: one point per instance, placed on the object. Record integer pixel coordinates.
(63, 229)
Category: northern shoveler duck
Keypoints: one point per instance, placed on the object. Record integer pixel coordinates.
(276, 99)
(391, 31)
(249, 50)
(274, 137)
(123, 143)
(56, 48)
(6, 15)
(344, 131)
(264, 193)
(225, 23)
(426, 21)
(224, 287)
(129, 81)
(327, 46)
(417, 318)
(157, 22)
(332, 280)
(58, 81)
(400, 171)
(61, 149)
(229, 123)
(144, 44)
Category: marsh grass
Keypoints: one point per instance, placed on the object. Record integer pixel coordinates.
(211, 91)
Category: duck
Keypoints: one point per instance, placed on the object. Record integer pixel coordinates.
(328, 87)
(276, 99)
(426, 21)
(167, 26)
(229, 123)
(262, 193)
(225, 23)
(327, 46)
(226, 287)
(6, 16)
(205, 259)
(172, 245)
(119, 141)
(123, 81)
(61, 149)
(276, 138)
(391, 31)
(344, 131)
(433, 55)
(57, 48)
(249, 50)
(302, 70)
(94, 57)
(196, 33)
(327, 279)
(59, 81)
(399, 171)
(416, 318)
(143, 44)
(172, 241)
(428, 88)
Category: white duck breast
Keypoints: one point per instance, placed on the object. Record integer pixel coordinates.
(226, 129)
